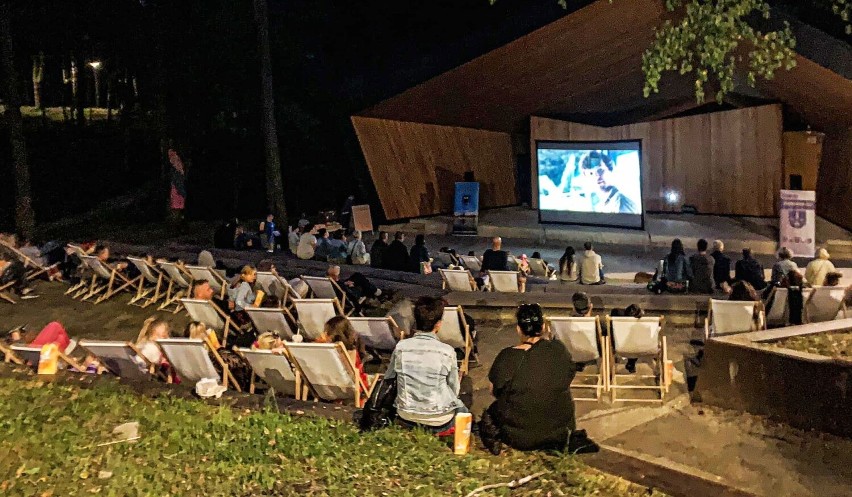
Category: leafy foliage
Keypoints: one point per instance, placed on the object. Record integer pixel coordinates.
(837, 345)
(49, 435)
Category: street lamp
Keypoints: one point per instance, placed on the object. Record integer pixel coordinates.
(96, 66)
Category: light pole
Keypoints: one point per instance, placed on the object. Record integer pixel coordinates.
(96, 66)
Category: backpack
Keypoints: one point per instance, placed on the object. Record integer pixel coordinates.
(379, 411)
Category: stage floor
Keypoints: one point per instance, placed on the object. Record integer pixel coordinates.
(520, 223)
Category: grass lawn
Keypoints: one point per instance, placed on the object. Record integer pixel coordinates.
(828, 344)
(49, 434)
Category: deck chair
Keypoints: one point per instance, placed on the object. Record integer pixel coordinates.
(205, 311)
(539, 268)
(32, 356)
(121, 359)
(329, 372)
(472, 263)
(106, 282)
(272, 320)
(275, 370)
(327, 288)
(583, 339)
(456, 333)
(9, 356)
(151, 282)
(179, 285)
(457, 280)
(272, 284)
(190, 359)
(779, 313)
(33, 268)
(217, 282)
(729, 317)
(825, 304)
(4, 294)
(503, 281)
(639, 338)
(376, 333)
(74, 290)
(314, 313)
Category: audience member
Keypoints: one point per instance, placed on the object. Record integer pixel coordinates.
(419, 254)
(818, 268)
(268, 229)
(246, 241)
(13, 271)
(426, 372)
(102, 253)
(339, 329)
(832, 279)
(396, 256)
(524, 265)
(783, 266)
(293, 239)
(567, 267)
(242, 291)
(531, 382)
(323, 248)
(676, 268)
(795, 297)
(153, 329)
(631, 311)
(307, 243)
(202, 290)
(346, 219)
(582, 305)
(235, 363)
(495, 258)
(269, 341)
(591, 266)
(378, 250)
(357, 287)
(303, 222)
(357, 251)
(702, 269)
(337, 251)
(749, 270)
(722, 264)
(205, 259)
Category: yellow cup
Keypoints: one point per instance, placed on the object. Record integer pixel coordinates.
(464, 421)
(48, 361)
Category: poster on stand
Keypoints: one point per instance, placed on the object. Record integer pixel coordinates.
(798, 222)
(362, 218)
(466, 208)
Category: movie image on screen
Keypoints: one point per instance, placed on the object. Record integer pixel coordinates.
(590, 183)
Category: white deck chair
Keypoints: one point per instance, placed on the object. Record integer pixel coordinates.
(456, 333)
(503, 281)
(539, 268)
(638, 338)
(33, 268)
(583, 338)
(314, 313)
(205, 311)
(272, 320)
(4, 294)
(326, 288)
(32, 356)
(190, 359)
(272, 284)
(472, 263)
(329, 371)
(150, 283)
(457, 280)
(106, 282)
(216, 280)
(825, 304)
(9, 356)
(79, 253)
(729, 317)
(779, 313)
(179, 285)
(376, 333)
(121, 359)
(275, 370)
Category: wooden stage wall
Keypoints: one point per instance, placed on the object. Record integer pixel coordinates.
(726, 163)
(415, 166)
(834, 185)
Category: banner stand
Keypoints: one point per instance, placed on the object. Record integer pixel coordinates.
(466, 209)
(797, 223)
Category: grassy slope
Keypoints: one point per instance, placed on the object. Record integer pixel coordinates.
(48, 434)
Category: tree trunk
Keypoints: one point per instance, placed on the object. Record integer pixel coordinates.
(274, 182)
(24, 217)
(38, 75)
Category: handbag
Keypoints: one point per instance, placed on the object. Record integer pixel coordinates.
(379, 411)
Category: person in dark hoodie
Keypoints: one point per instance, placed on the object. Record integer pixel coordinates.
(702, 270)
(419, 253)
(721, 265)
(749, 270)
(396, 256)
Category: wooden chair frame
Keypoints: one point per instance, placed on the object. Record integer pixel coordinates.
(145, 287)
(342, 301)
(362, 390)
(661, 357)
(34, 269)
(228, 325)
(175, 290)
(445, 283)
(9, 357)
(4, 295)
(464, 367)
(62, 356)
(116, 282)
(604, 370)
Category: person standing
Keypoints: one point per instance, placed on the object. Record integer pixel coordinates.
(268, 228)
(346, 212)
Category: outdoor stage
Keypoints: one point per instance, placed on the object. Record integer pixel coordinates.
(521, 223)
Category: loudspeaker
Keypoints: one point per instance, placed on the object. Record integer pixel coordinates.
(802, 155)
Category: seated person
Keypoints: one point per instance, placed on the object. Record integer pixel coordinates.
(742, 291)
(337, 248)
(202, 290)
(495, 258)
(242, 291)
(702, 270)
(53, 332)
(339, 329)
(357, 251)
(833, 279)
(153, 329)
(378, 250)
(531, 382)
(418, 254)
(12, 270)
(307, 243)
(750, 271)
(235, 363)
(357, 287)
(590, 266)
(676, 268)
(632, 311)
(323, 246)
(293, 239)
(103, 254)
(427, 372)
(246, 241)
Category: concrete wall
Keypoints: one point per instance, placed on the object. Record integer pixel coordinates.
(804, 390)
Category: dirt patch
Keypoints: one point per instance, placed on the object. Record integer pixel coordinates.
(836, 344)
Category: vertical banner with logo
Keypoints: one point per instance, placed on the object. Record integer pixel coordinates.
(798, 222)
(466, 208)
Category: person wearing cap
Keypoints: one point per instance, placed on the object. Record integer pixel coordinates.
(531, 382)
(818, 269)
(582, 305)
